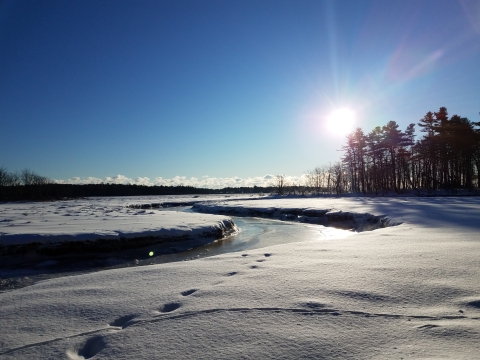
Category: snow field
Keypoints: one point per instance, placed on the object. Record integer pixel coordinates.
(404, 291)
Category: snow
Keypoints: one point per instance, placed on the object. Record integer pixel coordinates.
(101, 219)
(303, 211)
(410, 290)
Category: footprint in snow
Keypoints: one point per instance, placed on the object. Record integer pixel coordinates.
(313, 305)
(232, 273)
(475, 304)
(170, 307)
(92, 347)
(267, 255)
(188, 292)
(253, 267)
(122, 321)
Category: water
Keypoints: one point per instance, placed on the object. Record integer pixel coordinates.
(255, 233)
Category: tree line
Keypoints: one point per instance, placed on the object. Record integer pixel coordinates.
(24, 185)
(28, 185)
(388, 159)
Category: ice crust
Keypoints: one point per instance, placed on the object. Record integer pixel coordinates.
(407, 291)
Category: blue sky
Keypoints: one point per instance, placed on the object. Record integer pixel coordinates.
(226, 89)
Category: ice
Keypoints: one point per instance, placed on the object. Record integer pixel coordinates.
(406, 291)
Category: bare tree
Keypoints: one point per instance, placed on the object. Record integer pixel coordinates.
(340, 179)
(4, 177)
(315, 179)
(280, 184)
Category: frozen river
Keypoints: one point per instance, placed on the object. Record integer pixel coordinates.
(254, 233)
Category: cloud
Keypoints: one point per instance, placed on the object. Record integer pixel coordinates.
(81, 181)
(204, 182)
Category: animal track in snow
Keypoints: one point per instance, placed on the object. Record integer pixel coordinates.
(475, 304)
(92, 347)
(170, 307)
(253, 267)
(244, 255)
(232, 273)
(123, 321)
(261, 260)
(188, 292)
(313, 305)
(267, 255)
(96, 344)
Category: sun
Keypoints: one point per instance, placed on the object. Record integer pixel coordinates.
(341, 121)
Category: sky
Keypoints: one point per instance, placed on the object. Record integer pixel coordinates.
(221, 93)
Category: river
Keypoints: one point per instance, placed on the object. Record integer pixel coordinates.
(254, 233)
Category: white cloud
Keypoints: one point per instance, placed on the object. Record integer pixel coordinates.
(142, 181)
(77, 180)
(204, 182)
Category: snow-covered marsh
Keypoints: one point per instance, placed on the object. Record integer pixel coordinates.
(411, 290)
(101, 224)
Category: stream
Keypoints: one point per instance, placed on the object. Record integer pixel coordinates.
(254, 233)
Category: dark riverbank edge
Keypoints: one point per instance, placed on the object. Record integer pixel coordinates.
(327, 217)
(33, 254)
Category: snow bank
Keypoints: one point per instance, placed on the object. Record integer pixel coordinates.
(100, 225)
(295, 210)
(185, 200)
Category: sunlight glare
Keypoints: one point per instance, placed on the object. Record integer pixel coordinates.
(341, 121)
